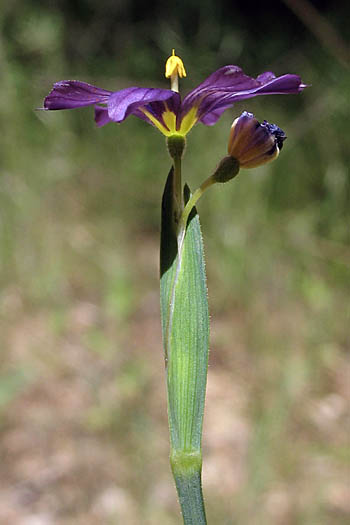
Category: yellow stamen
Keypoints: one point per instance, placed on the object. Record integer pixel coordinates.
(174, 68)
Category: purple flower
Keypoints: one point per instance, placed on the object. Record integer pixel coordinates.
(253, 144)
(163, 107)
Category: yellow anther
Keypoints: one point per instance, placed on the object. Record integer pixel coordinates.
(174, 66)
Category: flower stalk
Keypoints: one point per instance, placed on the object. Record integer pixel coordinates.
(176, 145)
(186, 468)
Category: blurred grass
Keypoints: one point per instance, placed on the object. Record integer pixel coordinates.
(82, 398)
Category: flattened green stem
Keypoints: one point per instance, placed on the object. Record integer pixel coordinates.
(178, 193)
(227, 169)
(189, 207)
(185, 326)
(186, 469)
(176, 145)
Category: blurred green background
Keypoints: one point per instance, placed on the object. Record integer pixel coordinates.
(83, 425)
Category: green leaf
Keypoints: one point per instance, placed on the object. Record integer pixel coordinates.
(185, 325)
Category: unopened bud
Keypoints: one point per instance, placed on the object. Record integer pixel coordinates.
(252, 143)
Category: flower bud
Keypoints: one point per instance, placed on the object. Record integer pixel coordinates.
(253, 144)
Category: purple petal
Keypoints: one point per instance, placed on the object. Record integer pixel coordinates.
(225, 77)
(265, 77)
(70, 94)
(209, 119)
(229, 84)
(284, 85)
(123, 103)
(101, 116)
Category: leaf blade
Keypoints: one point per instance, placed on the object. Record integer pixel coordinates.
(185, 326)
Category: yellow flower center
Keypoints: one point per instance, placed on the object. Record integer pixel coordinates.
(169, 119)
(174, 68)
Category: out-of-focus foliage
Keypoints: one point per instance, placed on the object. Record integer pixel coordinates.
(82, 394)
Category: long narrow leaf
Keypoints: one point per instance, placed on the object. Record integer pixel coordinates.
(185, 323)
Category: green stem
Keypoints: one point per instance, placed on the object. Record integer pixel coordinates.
(186, 469)
(178, 193)
(185, 327)
(189, 207)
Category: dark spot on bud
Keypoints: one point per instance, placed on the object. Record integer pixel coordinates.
(278, 133)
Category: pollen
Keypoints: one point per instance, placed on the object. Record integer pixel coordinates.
(174, 66)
